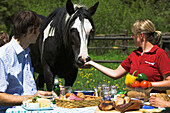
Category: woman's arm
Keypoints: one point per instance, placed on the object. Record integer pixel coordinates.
(163, 85)
(115, 74)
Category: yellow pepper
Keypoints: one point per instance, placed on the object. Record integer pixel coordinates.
(129, 80)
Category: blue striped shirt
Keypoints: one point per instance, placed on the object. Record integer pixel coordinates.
(16, 72)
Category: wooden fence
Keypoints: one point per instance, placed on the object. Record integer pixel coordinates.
(124, 38)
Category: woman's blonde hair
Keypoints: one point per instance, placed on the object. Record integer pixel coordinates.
(147, 27)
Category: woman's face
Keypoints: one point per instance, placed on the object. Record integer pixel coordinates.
(136, 39)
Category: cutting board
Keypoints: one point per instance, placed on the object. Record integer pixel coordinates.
(138, 111)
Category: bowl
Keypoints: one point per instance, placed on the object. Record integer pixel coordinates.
(90, 92)
(139, 93)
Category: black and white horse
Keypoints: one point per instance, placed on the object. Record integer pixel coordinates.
(63, 43)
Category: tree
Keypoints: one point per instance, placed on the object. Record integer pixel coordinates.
(8, 9)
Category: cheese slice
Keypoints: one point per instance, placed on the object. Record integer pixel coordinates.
(44, 102)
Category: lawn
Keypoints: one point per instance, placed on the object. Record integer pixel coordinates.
(90, 78)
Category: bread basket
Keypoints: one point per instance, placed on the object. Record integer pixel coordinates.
(87, 102)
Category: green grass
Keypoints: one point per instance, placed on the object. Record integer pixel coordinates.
(89, 78)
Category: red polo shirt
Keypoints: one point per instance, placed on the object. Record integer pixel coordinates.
(153, 64)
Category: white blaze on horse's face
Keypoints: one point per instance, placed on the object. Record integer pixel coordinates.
(84, 31)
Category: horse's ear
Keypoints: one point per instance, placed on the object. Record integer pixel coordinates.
(70, 7)
(93, 9)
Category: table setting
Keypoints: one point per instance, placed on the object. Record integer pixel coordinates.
(60, 104)
(102, 99)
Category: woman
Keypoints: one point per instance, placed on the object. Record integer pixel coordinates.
(148, 58)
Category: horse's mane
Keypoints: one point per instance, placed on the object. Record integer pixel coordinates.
(76, 6)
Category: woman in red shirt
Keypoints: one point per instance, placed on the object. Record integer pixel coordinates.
(148, 58)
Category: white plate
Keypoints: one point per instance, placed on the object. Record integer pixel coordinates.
(153, 94)
(37, 109)
(147, 103)
(47, 97)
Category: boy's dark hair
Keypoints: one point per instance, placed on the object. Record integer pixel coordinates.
(26, 19)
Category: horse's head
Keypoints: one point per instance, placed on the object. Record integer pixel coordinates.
(80, 29)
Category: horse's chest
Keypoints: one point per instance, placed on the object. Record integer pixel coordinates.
(63, 68)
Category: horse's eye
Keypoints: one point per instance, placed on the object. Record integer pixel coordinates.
(91, 35)
(72, 30)
(92, 31)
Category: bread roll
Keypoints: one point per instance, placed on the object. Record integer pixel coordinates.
(106, 105)
(163, 96)
(120, 101)
(80, 95)
(68, 95)
(153, 95)
(127, 100)
(135, 94)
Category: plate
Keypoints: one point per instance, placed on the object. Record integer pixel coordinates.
(37, 109)
(147, 103)
(47, 97)
(137, 99)
(151, 110)
(153, 94)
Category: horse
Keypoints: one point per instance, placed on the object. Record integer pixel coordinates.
(62, 46)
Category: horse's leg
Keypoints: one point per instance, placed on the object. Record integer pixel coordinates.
(48, 76)
(40, 82)
(70, 79)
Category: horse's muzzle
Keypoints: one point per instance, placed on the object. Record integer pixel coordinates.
(84, 60)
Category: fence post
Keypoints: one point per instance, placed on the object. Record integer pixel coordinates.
(125, 42)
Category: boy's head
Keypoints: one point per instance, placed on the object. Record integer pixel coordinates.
(26, 22)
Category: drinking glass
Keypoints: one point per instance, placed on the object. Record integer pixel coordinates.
(66, 89)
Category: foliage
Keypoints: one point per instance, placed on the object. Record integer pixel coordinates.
(113, 16)
(110, 17)
(44, 7)
(8, 9)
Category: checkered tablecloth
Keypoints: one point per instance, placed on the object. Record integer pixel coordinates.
(20, 109)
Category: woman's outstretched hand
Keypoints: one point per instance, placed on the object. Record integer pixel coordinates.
(87, 65)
